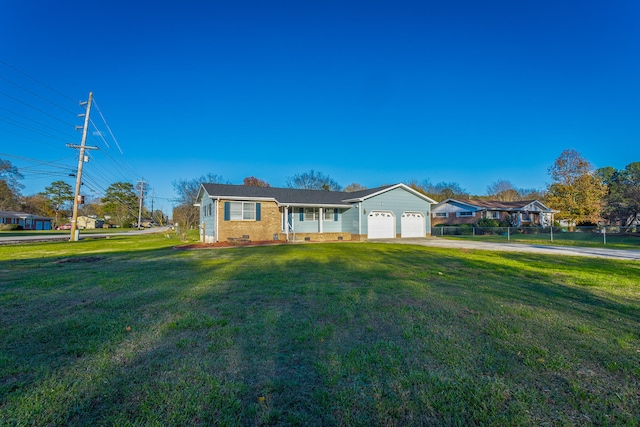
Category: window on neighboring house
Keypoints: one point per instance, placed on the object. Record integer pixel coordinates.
(327, 214)
(526, 216)
(242, 211)
(493, 214)
(465, 213)
(311, 214)
(440, 214)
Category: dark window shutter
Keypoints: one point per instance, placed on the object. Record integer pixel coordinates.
(227, 211)
(335, 214)
(301, 214)
(257, 211)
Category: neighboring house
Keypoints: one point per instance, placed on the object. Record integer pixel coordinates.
(89, 222)
(26, 220)
(230, 212)
(522, 213)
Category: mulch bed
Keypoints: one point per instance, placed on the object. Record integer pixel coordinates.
(196, 246)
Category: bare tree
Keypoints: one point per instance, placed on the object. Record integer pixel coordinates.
(185, 214)
(503, 190)
(313, 180)
(252, 181)
(532, 194)
(354, 186)
(445, 190)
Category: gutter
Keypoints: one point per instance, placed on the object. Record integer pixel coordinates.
(217, 203)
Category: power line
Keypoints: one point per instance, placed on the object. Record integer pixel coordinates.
(109, 129)
(37, 109)
(31, 120)
(30, 128)
(35, 94)
(26, 137)
(37, 81)
(108, 165)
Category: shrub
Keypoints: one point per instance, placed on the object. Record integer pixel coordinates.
(10, 227)
(488, 222)
(466, 229)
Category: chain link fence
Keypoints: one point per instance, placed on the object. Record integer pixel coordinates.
(596, 234)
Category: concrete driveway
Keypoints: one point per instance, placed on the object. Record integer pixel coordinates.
(626, 254)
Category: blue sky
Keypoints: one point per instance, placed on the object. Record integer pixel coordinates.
(369, 92)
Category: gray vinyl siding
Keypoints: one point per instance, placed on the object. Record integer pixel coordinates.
(397, 201)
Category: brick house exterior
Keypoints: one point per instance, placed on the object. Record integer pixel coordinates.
(519, 213)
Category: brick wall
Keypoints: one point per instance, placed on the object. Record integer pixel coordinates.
(269, 224)
(318, 237)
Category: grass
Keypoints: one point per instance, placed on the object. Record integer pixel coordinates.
(128, 331)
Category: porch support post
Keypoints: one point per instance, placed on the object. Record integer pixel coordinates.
(359, 219)
(320, 220)
(286, 223)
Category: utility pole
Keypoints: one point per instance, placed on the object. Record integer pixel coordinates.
(81, 159)
(141, 185)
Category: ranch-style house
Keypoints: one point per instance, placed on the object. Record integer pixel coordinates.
(518, 214)
(26, 220)
(238, 212)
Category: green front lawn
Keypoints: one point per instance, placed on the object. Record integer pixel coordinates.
(128, 331)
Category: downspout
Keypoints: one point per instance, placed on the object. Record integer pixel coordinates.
(217, 202)
(359, 219)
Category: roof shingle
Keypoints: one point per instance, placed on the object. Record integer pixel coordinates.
(287, 195)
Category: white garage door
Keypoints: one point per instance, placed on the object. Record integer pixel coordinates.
(381, 225)
(412, 224)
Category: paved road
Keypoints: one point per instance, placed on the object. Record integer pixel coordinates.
(627, 254)
(60, 237)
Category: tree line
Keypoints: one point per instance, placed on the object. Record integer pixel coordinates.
(581, 194)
